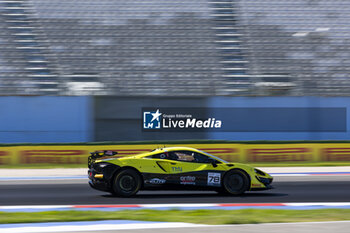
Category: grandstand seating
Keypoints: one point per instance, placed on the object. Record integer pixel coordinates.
(302, 43)
(174, 48)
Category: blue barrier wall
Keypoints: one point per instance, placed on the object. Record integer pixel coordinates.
(284, 102)
(45, 119)
(70, 119)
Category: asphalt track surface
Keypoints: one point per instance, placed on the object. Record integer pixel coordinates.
(287, 189)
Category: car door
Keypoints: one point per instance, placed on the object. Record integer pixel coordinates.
(156, 170)
(186, 169)
(182, 168)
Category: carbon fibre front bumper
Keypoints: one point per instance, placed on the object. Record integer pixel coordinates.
(265, 181)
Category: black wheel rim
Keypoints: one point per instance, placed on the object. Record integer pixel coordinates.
(235, 183)
(127, 183)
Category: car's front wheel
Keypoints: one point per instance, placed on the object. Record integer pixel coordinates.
(126, 183)
(235, 182)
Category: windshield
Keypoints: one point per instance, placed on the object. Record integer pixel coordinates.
(213, 156)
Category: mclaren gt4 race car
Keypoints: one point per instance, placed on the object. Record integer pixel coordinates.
(174, 168)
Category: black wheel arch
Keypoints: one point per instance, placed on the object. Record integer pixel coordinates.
(125, 168)
(109, 171)
(241, 170)
(118, 190)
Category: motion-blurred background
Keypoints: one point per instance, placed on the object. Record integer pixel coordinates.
(81, 70)
(77, 76)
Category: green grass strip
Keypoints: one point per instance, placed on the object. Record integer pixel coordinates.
(244, 216)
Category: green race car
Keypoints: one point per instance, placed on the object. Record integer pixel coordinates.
(173, 168)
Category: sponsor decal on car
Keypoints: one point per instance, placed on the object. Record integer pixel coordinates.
(214, 179)
(176, 169)
(157, 181)
(187, 180)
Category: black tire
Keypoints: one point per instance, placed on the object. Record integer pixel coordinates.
(235, 182)
(126, 183)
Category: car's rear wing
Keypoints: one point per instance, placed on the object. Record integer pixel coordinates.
(99, 154)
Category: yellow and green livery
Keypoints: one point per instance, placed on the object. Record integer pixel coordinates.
(172, 168)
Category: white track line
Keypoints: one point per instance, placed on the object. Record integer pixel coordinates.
(36, 207)
(330, 204)
(179, 205)
(96, 227)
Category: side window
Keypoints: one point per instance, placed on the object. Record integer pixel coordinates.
(189, 156)
(183, 156)
(200, 158)
(164, 155)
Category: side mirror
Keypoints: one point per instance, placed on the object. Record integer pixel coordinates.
(213, 162)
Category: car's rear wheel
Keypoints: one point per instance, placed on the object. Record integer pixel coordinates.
(235, 182)
(126, 183)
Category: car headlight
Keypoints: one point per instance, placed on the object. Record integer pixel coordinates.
(259, 172)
